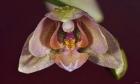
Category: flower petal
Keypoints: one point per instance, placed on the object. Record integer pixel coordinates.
(112, 58)
(99, 43)
(70, 60)
(29, 63)
(39, 42)
(84, 41)
(54, 43)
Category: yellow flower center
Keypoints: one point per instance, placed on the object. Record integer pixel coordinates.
(69, 43)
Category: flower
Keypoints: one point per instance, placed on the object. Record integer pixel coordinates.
(68, 37)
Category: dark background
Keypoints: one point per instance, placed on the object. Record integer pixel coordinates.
(18, 18)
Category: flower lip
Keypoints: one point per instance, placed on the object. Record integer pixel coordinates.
(70, 60)
(71, 67)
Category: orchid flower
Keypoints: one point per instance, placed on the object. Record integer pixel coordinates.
(68, 37)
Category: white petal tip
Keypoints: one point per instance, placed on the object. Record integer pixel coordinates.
(69, 70)
(23, 70)
(70, 67)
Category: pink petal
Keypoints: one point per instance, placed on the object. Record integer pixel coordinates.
(84, 41)
(54, 43)
(112, 58)
(29, 63)
(99, 43)
(39, 42)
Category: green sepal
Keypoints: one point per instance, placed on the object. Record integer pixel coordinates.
(89, 6)
(56, 2)
(65, 13)
(121, 70)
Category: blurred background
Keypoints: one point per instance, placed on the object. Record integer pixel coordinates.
(18, 18)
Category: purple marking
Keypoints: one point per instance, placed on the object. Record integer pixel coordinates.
(69, 35)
